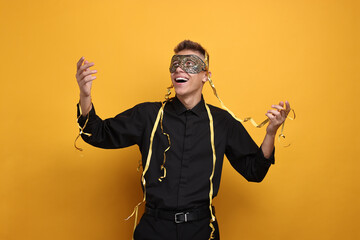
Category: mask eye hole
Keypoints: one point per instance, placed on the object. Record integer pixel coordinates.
(189, 63)
(175, 64)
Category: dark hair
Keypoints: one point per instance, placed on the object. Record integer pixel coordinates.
(190, 45)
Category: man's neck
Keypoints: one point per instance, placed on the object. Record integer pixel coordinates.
(190, 101)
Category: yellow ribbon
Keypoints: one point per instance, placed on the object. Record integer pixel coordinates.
(143, 181)
(81, 128)
(211, 122)
(250, 119)
(163, 168)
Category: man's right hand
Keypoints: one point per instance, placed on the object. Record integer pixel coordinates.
(84, 79)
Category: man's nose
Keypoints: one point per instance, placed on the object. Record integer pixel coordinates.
(179, 69)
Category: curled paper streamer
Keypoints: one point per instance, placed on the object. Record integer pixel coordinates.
(81, 128)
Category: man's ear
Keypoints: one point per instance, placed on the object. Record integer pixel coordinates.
(207, 76)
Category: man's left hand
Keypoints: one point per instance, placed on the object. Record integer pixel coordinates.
(277, 117)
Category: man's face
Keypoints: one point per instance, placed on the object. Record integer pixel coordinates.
(187, 84)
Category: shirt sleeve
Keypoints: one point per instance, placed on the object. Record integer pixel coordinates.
(244, 155)
(121, 131)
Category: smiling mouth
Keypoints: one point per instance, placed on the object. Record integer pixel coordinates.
(181, 80)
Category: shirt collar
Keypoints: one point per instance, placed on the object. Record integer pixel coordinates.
(180, 108)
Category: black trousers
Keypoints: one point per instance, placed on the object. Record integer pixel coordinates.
(152, 228)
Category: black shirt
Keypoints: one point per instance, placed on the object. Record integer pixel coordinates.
(189, 159)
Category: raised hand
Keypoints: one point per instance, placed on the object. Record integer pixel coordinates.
(84, 76)
(277, 116)
(84, 79)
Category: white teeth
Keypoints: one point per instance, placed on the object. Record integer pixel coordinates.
(181, 79)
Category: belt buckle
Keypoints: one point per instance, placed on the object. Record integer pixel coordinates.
(180, 214)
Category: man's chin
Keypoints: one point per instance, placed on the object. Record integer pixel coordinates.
(179, 90)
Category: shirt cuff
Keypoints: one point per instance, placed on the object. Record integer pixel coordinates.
(82, 119)
(271, 159)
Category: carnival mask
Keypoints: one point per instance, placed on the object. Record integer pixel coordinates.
(189, 63)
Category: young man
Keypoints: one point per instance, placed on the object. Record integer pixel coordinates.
(182, 141)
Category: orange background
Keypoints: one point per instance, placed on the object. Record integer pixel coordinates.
(261, 52)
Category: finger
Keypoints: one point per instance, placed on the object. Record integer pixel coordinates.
(86, 80)
(283, 114)
(89, 79)
(86, 73)
(287, 106)
(278, 107)
(276, 113)
(86, 66)
(81, 68)
(85, 62)
(79, 63)
(270, 116)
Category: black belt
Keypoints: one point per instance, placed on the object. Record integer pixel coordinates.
(181, 216)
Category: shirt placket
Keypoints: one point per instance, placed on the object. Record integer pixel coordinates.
(186, 157)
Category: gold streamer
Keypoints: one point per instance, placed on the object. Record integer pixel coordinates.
(281, 135)
(139, 166)
(211, 122)
(136, 209)
(250, 119)
(163, 168)
(167, 95)
(81, 128)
